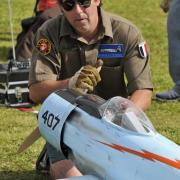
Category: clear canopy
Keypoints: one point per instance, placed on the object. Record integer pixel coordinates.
(124, 113)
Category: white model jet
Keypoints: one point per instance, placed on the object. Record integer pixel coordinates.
(107, 140)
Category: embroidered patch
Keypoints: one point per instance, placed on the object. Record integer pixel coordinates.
(143, 50)
(44, 46)
(111, 51)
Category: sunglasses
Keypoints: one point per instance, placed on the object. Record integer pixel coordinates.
(68, 5)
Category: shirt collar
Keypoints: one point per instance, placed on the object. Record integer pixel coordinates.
(66, 28)
(106, 23)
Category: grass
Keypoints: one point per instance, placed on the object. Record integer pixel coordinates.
(16, 125)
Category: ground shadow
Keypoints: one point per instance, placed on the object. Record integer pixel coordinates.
(22, 175)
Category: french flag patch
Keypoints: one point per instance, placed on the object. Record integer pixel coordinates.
(143, 50)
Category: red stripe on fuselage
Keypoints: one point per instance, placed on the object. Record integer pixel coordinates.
(146, 155)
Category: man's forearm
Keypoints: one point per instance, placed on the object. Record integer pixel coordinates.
(39, 91)
(142, 98)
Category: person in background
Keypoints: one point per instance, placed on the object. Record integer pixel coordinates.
(44, 10)
(173, 25)
(79, 43)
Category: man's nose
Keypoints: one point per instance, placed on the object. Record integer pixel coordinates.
(78, 8)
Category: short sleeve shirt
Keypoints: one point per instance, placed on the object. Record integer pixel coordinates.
(59, 52)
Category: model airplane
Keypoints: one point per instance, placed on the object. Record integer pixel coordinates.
(108, 140)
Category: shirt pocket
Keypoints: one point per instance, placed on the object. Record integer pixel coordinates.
(112, 62)
(71, 62)
(111, 75)
(112, 80)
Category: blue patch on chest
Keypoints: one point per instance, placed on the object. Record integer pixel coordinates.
(111, 51)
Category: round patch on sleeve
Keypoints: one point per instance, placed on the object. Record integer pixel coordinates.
(44, 46)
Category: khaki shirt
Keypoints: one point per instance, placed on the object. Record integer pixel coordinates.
(66, 53)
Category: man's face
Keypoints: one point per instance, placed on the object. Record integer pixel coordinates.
(83, 19)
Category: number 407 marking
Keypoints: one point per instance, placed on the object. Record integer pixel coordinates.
(50, 120)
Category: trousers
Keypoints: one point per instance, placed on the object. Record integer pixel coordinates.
(173, 25)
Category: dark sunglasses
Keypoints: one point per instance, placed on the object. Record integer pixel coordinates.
(68, 5)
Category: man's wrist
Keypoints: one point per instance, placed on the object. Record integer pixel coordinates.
(64, 84)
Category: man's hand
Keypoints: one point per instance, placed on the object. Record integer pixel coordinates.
(86, 78)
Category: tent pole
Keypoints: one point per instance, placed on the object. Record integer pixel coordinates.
(11, 29)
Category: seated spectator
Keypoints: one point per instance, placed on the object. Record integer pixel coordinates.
(44, 10)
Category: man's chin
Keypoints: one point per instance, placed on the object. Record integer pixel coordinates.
(82, 29)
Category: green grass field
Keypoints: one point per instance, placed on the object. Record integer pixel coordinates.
(16, 125)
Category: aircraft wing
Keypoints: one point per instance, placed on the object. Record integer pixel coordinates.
(85, 177)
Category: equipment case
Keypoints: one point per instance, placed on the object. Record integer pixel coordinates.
(14, 85)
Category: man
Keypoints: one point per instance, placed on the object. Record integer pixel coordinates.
(76, 41)
(174, 53)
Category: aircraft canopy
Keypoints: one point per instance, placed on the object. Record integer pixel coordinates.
(124, 113)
